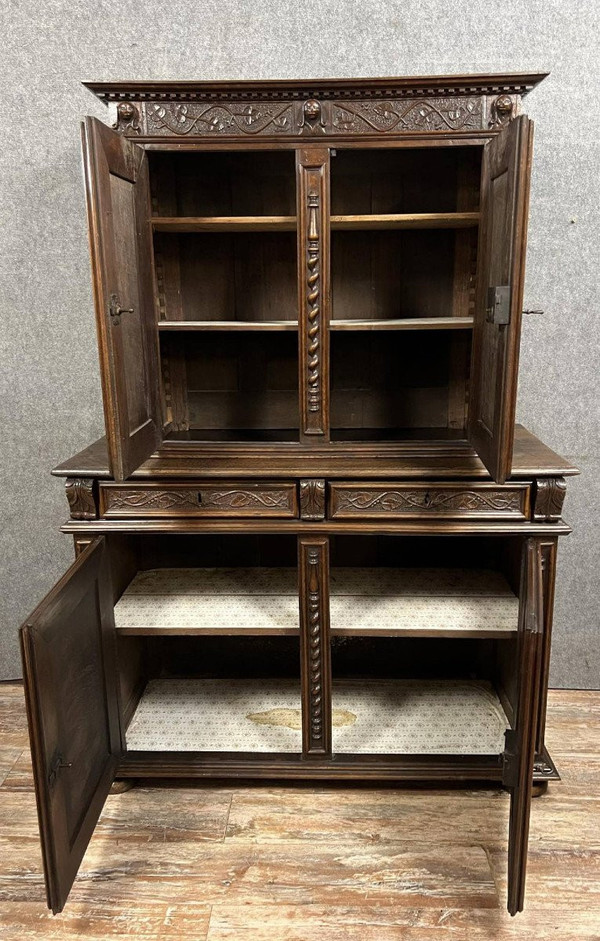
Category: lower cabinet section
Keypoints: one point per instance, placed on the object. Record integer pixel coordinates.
(354, 657)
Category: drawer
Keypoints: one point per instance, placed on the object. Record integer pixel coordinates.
(484, 501)
(222, 499)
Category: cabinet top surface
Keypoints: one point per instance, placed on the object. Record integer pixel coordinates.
(426, 460)
(518, 83)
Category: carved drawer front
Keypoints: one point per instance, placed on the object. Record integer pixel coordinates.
(225, 498)
(421, 500)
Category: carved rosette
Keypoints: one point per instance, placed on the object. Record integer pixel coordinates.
(312, 499)
(314, 262)
(549, 498)
(316, 662)
(80, 494)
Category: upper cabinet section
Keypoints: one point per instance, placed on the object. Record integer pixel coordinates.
(321, 109)
(310, 264)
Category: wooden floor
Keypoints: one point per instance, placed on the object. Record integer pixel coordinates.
(304, 862)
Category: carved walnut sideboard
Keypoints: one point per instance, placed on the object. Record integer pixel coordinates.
(313, 544)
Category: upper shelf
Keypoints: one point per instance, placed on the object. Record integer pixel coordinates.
(406, 323)
(420, 220)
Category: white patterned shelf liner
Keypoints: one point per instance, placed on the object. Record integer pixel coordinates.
(458, 717)
(362, 599)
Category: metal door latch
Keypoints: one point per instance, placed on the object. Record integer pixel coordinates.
(115, 310)
(510, 766)
(58, 762)
(498, 305)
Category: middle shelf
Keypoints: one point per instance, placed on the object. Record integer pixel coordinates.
(377, 602)
(366, 221)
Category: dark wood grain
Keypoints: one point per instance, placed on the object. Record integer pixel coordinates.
(118, 201)
(502, 243)
(212, 207)
(200, 499)
(427, 460)
(313, 562)
(313, 290)
(521, 742)
(72, 704)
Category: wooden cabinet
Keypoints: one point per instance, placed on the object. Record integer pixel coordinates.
(314, 544)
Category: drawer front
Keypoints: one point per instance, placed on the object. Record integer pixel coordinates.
(427, 501)
(223, 499)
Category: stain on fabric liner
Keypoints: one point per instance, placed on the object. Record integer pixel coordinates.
(292, 718)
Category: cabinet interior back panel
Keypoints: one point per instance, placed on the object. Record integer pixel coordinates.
(224, 183)
(235, 381)
(228, 276)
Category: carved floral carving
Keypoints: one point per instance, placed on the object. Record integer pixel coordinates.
(80, 494)
(428, 114)
(293, 118)
(550, 494)
(227, 499)
(435, 500)
(214, 120)
(312, 499)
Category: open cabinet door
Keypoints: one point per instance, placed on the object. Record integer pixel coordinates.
(520, 741)
(69, 667)
(118, 201)
(499, 295)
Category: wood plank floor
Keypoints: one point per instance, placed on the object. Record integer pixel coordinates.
(304, 862)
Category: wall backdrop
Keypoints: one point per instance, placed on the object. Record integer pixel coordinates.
(50, 389)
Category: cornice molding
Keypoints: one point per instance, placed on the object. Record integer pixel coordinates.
(430, 86)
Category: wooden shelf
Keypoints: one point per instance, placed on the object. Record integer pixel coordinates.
(368, 602)
(420, 220)
(224, 224)
(179, 326)
(406, 323)
(398, 716)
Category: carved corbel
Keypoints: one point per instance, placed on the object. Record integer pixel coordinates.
(312, 499)
(80, 494)
(548, 498)
(128, 119)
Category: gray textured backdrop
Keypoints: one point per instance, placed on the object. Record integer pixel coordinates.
(49, 374)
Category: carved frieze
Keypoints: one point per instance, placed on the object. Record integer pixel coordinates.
(442, 501)
(195, 501)
(312, 117)
(80, 494)
(312, 499)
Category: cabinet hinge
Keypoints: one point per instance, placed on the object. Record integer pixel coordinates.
(498, 305)
(58, 762)
(509, 759)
